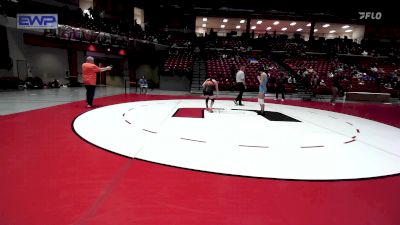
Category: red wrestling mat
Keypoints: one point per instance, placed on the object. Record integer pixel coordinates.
(190, 112)
(50, 176)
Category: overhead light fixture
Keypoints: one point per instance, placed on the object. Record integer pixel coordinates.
(299, 29)
(204, 25)
(308, 25)
(225, 20)
(242, 21)
(205, 19)
(222, 26)
(238, 27)
(276, 23)
(332, 31)
(284, 28)
(347, 31)
(326, 25)
(315, 30)
(345, 26)
(292, 23)
(253, 27)
(269, 28)
(259, 22)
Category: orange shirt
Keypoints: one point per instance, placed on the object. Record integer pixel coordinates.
(89, 71)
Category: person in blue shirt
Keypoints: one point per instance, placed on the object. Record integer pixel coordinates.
(143, 85)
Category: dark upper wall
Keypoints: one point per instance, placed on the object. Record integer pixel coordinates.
(335, 10)
(329, 11)
(180, 14)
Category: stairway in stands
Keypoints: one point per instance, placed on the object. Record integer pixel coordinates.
(199, 75)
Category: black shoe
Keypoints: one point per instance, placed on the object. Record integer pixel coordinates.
(241, 104)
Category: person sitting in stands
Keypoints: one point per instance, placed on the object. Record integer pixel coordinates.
(322, 83)
(290, 80)
(143, 85)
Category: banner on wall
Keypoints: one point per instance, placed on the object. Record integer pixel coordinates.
(65, 32)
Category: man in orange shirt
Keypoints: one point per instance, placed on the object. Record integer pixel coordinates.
(89, 70)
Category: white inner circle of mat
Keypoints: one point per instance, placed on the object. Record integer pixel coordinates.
(323, 146)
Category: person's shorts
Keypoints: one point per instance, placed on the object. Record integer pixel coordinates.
(143, 86)
(262, 89)
(208, 93)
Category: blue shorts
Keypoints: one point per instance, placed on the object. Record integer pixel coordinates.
(262, 89)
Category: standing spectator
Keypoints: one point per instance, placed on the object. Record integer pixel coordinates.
(335, 89)
(397, 86)
(314, 81)
(241, 85)
(233, 71)
(280, 87)
(89, 70)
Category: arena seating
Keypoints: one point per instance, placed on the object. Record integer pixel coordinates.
(224, 71)
(180, 62)
(320, 64)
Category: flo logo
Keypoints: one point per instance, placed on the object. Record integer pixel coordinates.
(370, 15)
